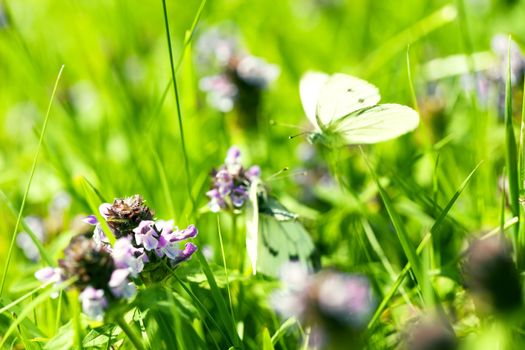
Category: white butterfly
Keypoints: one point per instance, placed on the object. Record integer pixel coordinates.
(274, 236)
(344, 111)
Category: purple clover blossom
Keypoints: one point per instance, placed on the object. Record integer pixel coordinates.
(221, 92)
(217, 202)
(216, 46)
(253, 172)
(231, 183)
(119, 284)
(146, 235)
(185, 254)
(235, 72)
(126, 256)
(257, 72)
(238, 196)
(233, 155)
(344, 301)
(169, 243)
(143, 241)
(93, 302)
(348, 298)
(98, 234)
(224, 181)
(49, 274)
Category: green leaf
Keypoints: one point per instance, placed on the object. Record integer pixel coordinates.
(267, 343)
(63, 338)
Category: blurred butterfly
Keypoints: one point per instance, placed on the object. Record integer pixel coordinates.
(274, 236)
(344, 111)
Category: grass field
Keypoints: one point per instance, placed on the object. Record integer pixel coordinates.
(277, 241)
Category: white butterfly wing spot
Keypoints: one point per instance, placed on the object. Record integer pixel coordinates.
(310, 88)
(376, 124)
(343, 94)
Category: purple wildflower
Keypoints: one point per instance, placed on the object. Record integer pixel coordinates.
(221, 92)
(142, 242)
(146, 235)
(127, 256)
(93, 302)
(170, 242)
(335, 305)
(238, 196)
(253, 172)
(237, 78)
(231, 183)
(257, 72)
(119, 284)
(185, 254)
(49, 274)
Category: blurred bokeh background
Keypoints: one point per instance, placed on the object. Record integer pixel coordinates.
(114, 120)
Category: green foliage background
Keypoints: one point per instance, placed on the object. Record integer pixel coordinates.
(111, 125)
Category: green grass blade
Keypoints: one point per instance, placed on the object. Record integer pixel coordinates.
(219, 301)
(164, 181)
(94, 200)
(289, 323)
(226, 272)
(402, 235)
(28, 309)
(28, 186)
(267, 343)
(435, 228)
(179, 110)
(521, 184)
(510, 145)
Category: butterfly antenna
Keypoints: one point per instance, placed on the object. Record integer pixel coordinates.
(291, 126)
(283, 170)
(301, 134)
(277, 176)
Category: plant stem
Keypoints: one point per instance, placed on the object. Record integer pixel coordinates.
(130, 332)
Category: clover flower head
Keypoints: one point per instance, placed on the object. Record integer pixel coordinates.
(231, 76)
(94, 303)
(230, 184)
(120, 285)
(216, 47)
(221, 92)
(127, 256)
(332, 303)
(105, 273)
(95, 272)
(146, 235)
(492, 277)
(257, 72)
(428, 333)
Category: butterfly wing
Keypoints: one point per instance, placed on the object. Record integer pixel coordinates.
(252, 223)
(342, 95)
(309, 89)
(376, 124)
(282, 239)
